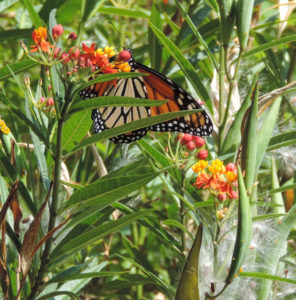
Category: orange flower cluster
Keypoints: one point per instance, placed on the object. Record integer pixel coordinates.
(220, 180)
(89, 57)
(99, 59)
(39, 37)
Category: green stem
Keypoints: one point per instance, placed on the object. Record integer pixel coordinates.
(221, 93)
(182, 211)
(54, 94)
(231, 87)
(53, 211)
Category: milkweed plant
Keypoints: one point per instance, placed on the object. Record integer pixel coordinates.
(169, 216)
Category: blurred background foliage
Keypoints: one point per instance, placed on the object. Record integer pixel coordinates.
(144, 259)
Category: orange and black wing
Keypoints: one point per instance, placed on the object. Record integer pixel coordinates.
(154, 86)
(160, 87)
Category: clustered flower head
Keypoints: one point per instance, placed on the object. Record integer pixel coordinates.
(46, 104)
(75, 59)
(3, 127)
(217, 178)
(192, 142)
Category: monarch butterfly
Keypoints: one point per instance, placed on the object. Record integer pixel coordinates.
(154, 86)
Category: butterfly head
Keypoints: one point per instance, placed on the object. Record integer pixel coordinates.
(124, 55)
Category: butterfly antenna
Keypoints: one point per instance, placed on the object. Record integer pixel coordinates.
(130, 43)
(118, 33)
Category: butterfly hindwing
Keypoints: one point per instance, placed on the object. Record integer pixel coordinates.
(161, 87)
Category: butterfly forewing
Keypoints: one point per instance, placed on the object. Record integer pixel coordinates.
(154, 86)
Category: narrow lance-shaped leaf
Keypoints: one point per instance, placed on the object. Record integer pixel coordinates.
(16, 68)
(188, 283)
(75, 129)
(38, 150)
(105, 101)
(283, 139)
(263, 47)
(97, 233)
(161, 159)
(197, 34)
(33, 14)
(244, 16)
(146, 122)
(244, 230)
(233, 137)
(228, 15)
(249, 143)
(21, 116)
(103, 192)
(185, 66)
(276, 198)
(266, 131)
(155, 48)
(267, 276)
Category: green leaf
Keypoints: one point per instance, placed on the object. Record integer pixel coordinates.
(10, 172)
(281, 189)
(228, 15)
(267, 216)
(249, 143)
(89, 7)
(132, 126)
(276, 198)
(175, 223)
(154, 227)
(233, 137)
(21, 116)
(269, 45)
(4, 4)
(33, 14)
(244, 16)
(105, 191)
(244, 230)
(185, 66)
(96, 234)
(168, 289)
(39, 152)
(266, 130)
(14, 34)
(48, 6)
(75, 129)
(126, 281)
(188, 283)
(62, 277)
(16, 68)
(69, 12)
(106, 101)
(133, 13)
(160, 159)
(59, 293)
(267, 276)
(197, 33)
(282, 140)
(155, 48)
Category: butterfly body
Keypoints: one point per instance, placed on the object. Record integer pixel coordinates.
(154, 86)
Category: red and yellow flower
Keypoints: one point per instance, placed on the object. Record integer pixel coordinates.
(217, 178)
(39, 37)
